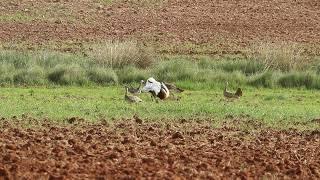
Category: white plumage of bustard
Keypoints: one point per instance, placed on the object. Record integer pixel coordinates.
(157, 89)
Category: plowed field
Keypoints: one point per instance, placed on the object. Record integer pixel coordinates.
(131, 149)
(235, 23)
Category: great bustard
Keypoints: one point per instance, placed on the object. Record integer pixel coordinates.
(137, 90)
(157, 89)
(228, 94)
(131, 99)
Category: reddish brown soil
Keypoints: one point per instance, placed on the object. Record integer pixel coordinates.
(222, 23)
(134, 149)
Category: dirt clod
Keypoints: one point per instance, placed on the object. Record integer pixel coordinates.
(177, 135)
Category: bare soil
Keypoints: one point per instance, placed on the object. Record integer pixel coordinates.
(228, 25)
(134, 149)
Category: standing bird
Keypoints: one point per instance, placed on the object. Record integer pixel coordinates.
(228, 94)
(238, 92)
(137, 90)
(157, 89)
(131, 99)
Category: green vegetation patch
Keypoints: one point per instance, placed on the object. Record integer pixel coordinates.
(128, 62)
(281, 108)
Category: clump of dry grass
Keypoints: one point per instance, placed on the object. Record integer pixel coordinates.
(280, 56)
(117, 54)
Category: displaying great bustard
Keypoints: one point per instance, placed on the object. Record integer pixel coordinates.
(157, 89)
(137, 90)
(228, 94)
(131, 98)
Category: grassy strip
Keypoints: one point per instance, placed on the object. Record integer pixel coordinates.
(276, 108)
(118, 63)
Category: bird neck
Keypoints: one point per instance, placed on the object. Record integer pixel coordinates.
(140, 86)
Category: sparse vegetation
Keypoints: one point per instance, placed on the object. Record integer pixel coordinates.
(16, 17)
(128, 62)
(119, 54)
(280, 56)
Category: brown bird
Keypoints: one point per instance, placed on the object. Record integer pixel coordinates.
(228, 94)
(137, 90)
(131, 99)
(238, 92)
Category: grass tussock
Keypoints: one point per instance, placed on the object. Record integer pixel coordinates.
(103, 76)
(280, 56)
(31, 76)
(244, 66)
(119, 54)
(131, 74)
(68, 75)
(266, 79)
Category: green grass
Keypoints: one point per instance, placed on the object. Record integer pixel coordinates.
(279, 108)
(106, 65)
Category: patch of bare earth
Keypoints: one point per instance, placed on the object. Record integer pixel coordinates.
(228, 25)
(137, 149)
